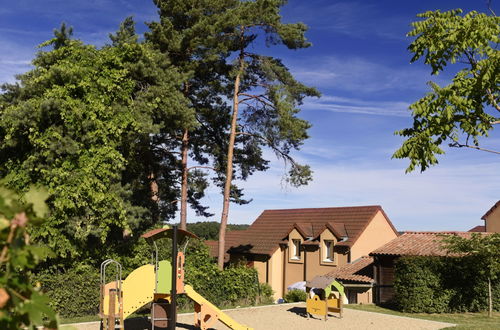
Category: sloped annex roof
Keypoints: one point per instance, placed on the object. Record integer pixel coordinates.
(418, 244)
(272, 226)
(477, 229)
(359, 270)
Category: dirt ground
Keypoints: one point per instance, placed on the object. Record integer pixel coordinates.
(290, 317)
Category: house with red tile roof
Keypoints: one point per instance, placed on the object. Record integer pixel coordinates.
(292, 245)
(408, 244)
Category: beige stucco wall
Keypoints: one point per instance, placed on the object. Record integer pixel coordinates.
(276, 273)
(492, 221)
(377, 233)
(260, 266)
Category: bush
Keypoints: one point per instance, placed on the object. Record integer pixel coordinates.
(236, 285)
(74, 292)
(441, 285)
(418, 286)
(295, 295)
(266, 294)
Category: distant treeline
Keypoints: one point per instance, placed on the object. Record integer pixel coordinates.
(210, 229)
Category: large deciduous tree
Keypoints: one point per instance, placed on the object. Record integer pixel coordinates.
(265, 94)
(468, 107)
(79, 124)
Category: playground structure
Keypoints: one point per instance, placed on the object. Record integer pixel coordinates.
(159, 284)
(322, 298)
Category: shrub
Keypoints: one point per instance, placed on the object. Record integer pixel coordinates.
(74, 292)
(237, 284)
(295, 295)
(266, 294)
(418, 286)
(439, 285)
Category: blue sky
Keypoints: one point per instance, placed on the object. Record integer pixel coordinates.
(360, 64)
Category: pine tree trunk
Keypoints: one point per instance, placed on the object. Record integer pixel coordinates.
(229, 170)
(490, 299)
(184, 184)
(153, 188)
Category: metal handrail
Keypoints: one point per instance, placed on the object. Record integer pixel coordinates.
(118, 285)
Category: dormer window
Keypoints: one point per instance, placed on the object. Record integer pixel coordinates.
(296, 249)
(328, 250)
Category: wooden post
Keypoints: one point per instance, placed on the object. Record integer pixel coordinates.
(173, 294)
(111, 312)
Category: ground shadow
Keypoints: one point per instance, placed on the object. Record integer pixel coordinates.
(143, 323)
(301, 311)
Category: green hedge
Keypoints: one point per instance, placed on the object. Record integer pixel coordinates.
(236, 285)
(295, 295)
(441, 285)
(75, 292)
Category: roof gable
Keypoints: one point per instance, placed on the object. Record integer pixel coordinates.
(272, 226)
(497, 204)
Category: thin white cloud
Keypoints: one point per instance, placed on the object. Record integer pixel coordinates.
(358, 106)
(14, 59)
(360, 75)
(448, 197)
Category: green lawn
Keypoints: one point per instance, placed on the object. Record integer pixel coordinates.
(463, 320)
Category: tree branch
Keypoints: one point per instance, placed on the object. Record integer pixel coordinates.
(492, 99)
(260, 98)
(459, 145)
(270, 145)
(205, 167)
(489, 8)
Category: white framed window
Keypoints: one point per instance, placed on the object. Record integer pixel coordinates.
(296, 249)
(328, 250)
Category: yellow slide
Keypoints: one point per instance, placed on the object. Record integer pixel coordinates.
(137, 288)
(223, 317)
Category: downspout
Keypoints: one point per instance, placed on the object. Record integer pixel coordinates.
(284, 272)
(305, 264)
(267, 272)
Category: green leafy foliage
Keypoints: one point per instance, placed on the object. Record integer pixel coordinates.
(72, 293)
(237, 284)
(483, 252)
(441, 285)
(469, 105)
(21, 304)
(81, 123)
(295, 295)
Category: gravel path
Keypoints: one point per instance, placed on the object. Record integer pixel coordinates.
(291, 317)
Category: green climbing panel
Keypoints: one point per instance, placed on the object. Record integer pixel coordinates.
(164, 278)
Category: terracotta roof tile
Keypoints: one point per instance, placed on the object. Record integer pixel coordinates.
(478, 229)
(417, 244)
(497, 204)
(232, 238)
(272, 226)
(359, 270)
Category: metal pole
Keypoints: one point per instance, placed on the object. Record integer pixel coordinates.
(173, 293)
